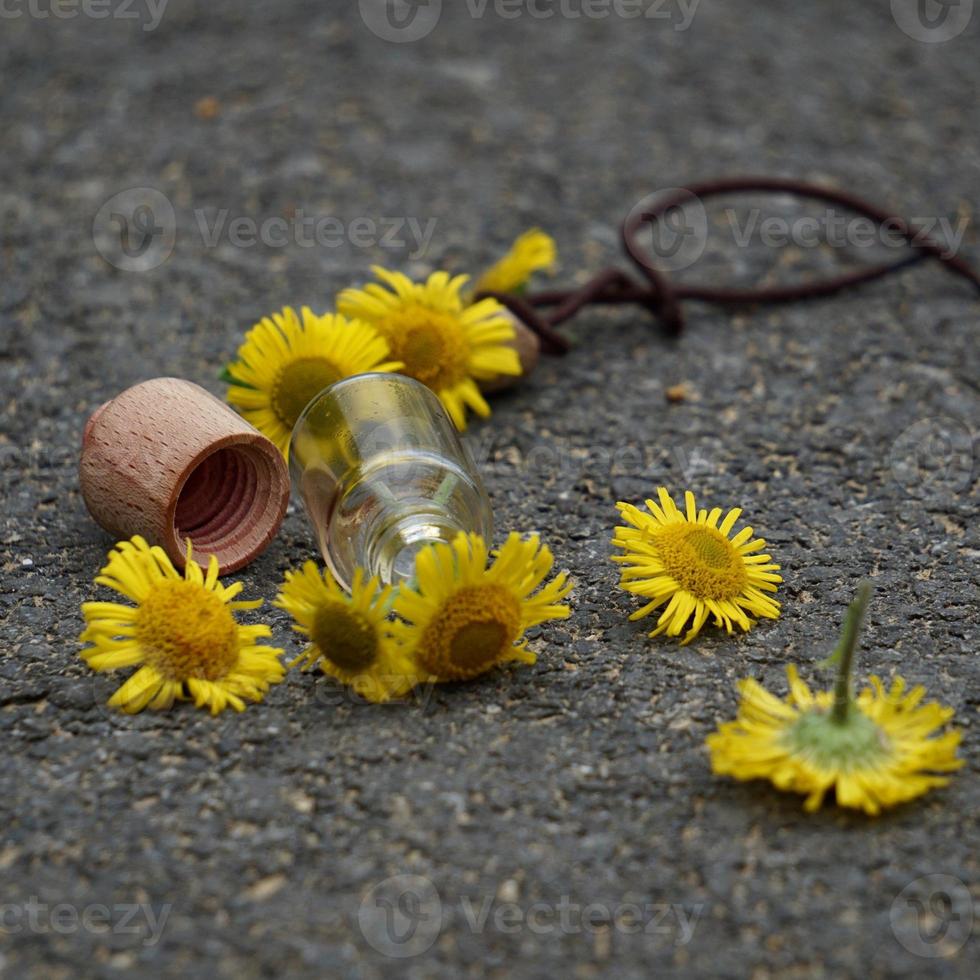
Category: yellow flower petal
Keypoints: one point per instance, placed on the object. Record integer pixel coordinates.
(530, 253)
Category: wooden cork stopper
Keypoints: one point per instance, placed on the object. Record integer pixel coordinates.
(528, 349)
(167, 460)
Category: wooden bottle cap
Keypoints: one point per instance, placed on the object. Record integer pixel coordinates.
(528, 349)
(168, 460)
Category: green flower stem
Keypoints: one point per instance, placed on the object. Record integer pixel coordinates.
(844, 654)
(445, 489)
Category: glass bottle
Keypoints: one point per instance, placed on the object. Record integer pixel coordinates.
(382, 472)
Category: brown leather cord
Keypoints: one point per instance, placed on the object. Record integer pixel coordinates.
(663, 298)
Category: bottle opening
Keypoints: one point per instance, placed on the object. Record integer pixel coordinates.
(394, 548)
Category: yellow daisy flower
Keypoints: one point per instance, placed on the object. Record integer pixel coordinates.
(462, 618)
(440, 340)
(350, 636)
(283, 364)
(181, 633)
(531, 252)
(689, 562)
(874, 751)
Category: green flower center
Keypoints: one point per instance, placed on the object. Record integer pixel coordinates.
(856, 743)
(713, 550)
(345, 638)
(297, 384)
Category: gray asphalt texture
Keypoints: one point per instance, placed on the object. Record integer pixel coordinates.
(260, 844)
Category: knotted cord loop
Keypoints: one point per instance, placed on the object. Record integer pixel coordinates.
(663, 298)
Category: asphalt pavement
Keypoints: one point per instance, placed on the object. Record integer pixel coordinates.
(554, 820)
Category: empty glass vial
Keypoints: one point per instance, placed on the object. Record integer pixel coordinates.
(382, 472)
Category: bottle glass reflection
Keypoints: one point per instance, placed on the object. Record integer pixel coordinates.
(382, 472)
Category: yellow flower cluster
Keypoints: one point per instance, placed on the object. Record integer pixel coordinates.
(467, 611)
(875, 751)
(464, 616)
(433, 331)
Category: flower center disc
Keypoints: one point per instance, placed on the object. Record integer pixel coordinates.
(474, 630)
(344, 637)
(431, 345)
(702, 560)
(187, 631)
(478, 644)
(297, 384)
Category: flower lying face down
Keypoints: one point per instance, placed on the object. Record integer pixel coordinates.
(687, 563)
(181, 634)
(462, 618)
(874, 751)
